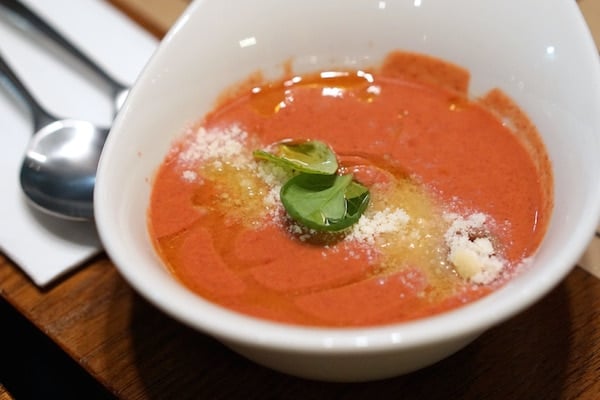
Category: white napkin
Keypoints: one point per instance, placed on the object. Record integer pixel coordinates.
(46, 247)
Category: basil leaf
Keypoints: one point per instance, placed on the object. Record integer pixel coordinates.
(309, 156)
(357, 201)
(324, 202)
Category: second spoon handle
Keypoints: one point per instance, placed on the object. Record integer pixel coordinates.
(41, 25)
(13, 84)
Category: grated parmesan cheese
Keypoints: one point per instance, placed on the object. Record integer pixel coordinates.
(274, 177)
(385, 221)
(189, 176)
(472, 254)
(216, 146)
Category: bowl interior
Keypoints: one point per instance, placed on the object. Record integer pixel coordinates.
(549, 67)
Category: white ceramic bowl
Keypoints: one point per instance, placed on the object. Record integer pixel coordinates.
(538, 51)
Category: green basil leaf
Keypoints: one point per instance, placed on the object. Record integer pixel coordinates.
(324, 202)
(309, 156)
(357, 201)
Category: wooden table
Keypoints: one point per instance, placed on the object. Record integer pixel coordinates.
(550, 351)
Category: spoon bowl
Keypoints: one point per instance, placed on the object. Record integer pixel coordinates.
(59, 168)
(58, 172)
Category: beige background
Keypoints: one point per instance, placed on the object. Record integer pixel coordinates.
(591, 12)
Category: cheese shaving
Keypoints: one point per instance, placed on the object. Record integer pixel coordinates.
(470, 251)
(368, 228)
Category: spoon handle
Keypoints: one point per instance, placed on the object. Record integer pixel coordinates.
(35, 21)
(13, 84)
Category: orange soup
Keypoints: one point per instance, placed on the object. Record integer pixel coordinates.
(460, 196)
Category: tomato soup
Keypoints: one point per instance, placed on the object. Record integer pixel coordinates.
(460, 196)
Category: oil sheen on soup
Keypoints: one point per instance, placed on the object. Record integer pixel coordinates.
(460, 196)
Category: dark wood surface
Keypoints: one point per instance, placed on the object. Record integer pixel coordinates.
(550, 351)
(4, 394)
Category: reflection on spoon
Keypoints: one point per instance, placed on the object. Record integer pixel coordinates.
(58, 173)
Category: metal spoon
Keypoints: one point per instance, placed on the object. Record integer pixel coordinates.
(59, 169)
(118, 90)
(58, 173)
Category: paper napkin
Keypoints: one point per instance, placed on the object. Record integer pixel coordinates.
(46, 247)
